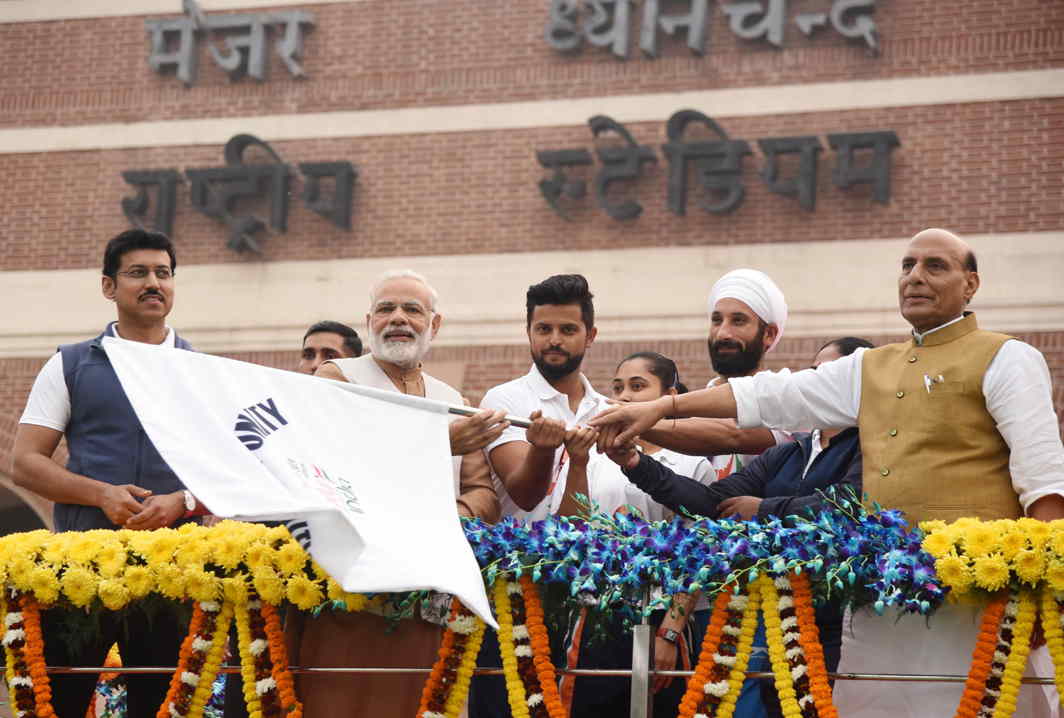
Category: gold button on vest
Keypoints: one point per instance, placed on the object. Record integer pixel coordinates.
(945, 456)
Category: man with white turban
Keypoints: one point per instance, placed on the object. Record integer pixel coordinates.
(747, 314)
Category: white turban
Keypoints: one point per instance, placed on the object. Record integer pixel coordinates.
(756, 290)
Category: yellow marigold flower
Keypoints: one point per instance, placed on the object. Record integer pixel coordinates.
(991, 572)
(192, 553)
(954, 572)
(333, 590)
(965, 522)
(303, 592)
(44, 585)
(161, 550)
(82, 548)
(939, 543)
(79, 585)
(1012, 542)
(171, 580)
(200, 585)
(55, 551)
(258, 554)
(227, 550)
(290, 558)
(1055, 575)
(111, 559)
(929, 526)
(1030, 566)
(268, 585)
(19, 569)
(113, 593)
(980, 540)
(235, 590)
(190, 530)
(277, 533)
(1056, 542)
(139, 581)
(1038, 532)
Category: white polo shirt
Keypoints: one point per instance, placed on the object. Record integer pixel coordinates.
(531, 392)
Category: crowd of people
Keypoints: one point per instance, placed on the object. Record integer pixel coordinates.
(956, 421)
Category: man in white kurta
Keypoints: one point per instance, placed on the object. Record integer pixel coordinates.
(938, 279)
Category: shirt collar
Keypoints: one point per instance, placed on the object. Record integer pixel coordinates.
(169, 341)
(919, 338)
(545, 391)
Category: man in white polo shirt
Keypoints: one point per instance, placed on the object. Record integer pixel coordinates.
(540, 471)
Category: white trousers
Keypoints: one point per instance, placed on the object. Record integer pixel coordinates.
(941, 644)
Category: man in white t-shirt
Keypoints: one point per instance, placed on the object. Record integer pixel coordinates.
(541, 470)
(114, 477)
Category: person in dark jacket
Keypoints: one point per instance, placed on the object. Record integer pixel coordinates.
(114, 478)
(782, 481)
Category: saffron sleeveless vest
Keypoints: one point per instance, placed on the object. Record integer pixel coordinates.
(930, 446)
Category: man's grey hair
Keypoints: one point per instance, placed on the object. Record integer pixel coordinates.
(404, 274)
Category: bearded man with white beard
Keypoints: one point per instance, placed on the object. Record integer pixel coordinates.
(402, 321)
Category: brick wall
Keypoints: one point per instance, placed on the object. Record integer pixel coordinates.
(486, 367)
(975, 168)
(367, 55)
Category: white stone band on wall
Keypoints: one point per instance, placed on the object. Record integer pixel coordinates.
(839, 287)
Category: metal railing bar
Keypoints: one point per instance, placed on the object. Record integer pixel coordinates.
(895, 677)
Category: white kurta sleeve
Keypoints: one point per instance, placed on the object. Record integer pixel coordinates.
(828, 397)
(49, 402)
(1019, 395)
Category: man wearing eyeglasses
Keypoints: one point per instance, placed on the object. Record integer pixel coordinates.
(114, 477)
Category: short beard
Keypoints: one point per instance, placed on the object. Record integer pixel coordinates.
(405, 355)
(742, 362)
(554, 372)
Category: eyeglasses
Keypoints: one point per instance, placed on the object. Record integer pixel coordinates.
(161, 273)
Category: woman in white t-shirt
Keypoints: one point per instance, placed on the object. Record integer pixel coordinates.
(645, 376)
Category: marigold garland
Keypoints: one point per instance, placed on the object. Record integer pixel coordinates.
(176, 695)
(283, 685)
(19, 676)
(792, 647)
(540, 641)
(1052, 616)
(770, 602)
(34, 656)
(434, 693)
(982, 658)
(471, 641)
(746, 642)
(1021, 647)
(515, 689)
(213, 657)
(1002, 651)
(526, 669)
(714, 632)
(809, 635)
(249, 648)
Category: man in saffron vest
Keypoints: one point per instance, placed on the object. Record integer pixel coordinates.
(955, 422)
(114, 478)
(403, 319)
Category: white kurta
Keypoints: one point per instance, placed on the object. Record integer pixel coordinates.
(1019, 397)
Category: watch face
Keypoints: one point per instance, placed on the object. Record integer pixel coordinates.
(190, 501)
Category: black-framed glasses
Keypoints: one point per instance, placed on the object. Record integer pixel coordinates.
(161, 273)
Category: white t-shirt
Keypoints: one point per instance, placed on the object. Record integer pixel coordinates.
(727, 464)
(49, 402)
(531, 392)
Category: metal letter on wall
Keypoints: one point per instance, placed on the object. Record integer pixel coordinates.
(336, 208)
(245, 38)
(559, 185)
(768, 26)
(619, 163)
(694, 22)
(563, 30)
(718, 164)
(608, 25)
(803, 185)
(136, 207)
(876, 173)
(216, 190)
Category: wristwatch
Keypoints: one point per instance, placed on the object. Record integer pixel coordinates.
(190, 503)
(669, 635)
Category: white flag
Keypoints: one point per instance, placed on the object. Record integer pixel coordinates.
(369, 471)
